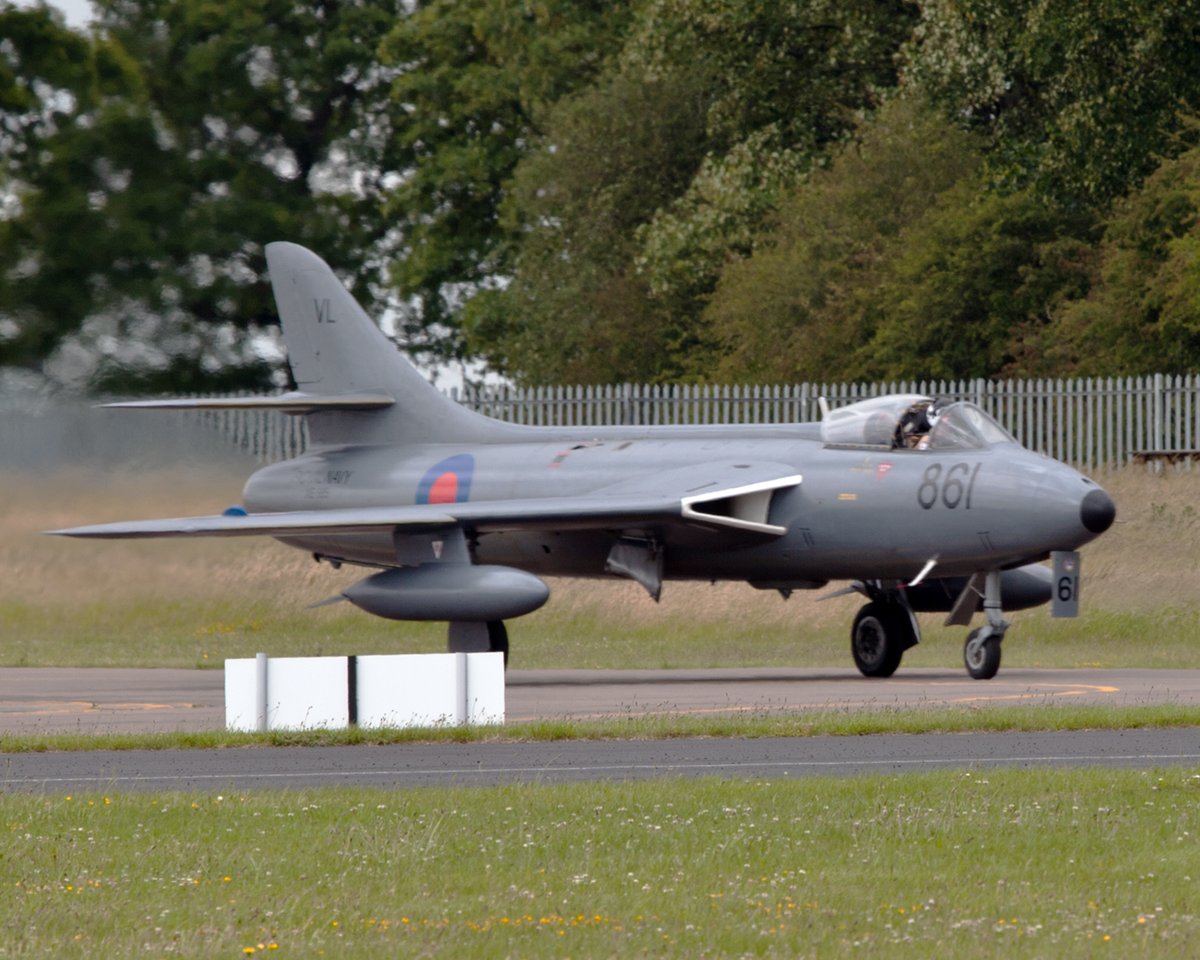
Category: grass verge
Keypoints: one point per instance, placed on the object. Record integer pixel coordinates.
(1047, 863)
(807, 724)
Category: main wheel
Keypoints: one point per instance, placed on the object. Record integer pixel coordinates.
(982, 656)
(498, 638)
(879, 637)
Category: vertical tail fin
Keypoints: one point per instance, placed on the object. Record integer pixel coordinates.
(334, 349)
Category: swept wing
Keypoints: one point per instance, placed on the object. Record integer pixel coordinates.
(742, 506)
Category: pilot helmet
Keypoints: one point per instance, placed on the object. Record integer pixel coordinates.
(916, 418)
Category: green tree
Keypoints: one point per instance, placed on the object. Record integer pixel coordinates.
(784, 82)
(1078, 99)
(474, 80)
(649, 181)
(143, 210)
(576, 309)
(1142, 314)
(800, 306)
(964, 291)
(898, 261)
(50, 76)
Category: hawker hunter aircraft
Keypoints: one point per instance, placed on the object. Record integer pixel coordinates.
(923, 507)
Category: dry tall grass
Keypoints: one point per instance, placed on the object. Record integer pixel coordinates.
(196, 601)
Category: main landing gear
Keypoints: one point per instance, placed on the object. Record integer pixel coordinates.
(887, 626)
(882, 631)
(475, 636)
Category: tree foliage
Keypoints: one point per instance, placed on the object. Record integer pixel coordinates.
(646, 183)
(474, 79)
(1079, 99)
(1142, 311)
(50, 76)
(201, 132)
(578, 190)
(576, 309)
(783, 82)
(798, 307)
(967, 283)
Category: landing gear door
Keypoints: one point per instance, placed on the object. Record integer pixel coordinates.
(1064, 601)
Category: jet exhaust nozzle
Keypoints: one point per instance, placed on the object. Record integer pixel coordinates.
(449, 591)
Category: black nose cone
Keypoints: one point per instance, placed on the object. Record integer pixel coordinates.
(1097, 511)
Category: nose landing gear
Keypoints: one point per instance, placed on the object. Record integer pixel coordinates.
(981, 652)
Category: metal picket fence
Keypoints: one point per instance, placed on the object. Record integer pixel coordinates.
(1092, 423)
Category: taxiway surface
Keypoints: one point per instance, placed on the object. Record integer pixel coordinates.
(487, 764)
(34, 700)
(74, 700)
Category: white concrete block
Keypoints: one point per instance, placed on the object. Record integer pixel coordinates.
(485, 688)
(240, 711)
(401, 690)
(430, 689)
(307, 693)
(407, 690)
(303, 693)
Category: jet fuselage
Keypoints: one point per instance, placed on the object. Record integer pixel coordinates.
(858, 513)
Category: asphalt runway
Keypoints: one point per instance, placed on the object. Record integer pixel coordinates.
(36, 700)
(69, 700)
(484, 764)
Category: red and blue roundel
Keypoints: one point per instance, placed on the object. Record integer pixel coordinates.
(448, 481)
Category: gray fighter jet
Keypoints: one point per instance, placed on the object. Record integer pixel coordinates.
(924, 507)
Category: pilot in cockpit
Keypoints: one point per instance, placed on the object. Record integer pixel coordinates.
(913, 427)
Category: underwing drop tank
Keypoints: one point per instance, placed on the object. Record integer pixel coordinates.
(449, 591)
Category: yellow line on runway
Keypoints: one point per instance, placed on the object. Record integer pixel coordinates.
(1073, 690)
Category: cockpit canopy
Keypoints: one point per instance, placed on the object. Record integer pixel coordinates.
(912, 421)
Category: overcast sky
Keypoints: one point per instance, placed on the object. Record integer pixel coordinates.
(77, 12)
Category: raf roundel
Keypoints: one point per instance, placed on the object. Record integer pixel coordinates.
(448, 481)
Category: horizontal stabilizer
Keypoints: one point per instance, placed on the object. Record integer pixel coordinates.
(294, 402)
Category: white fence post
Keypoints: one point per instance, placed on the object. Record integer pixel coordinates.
(260, 692)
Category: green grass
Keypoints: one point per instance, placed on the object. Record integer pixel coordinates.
(809, 723)
(1045, 863)
(191, 632)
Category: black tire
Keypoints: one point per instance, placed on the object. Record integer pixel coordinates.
(498, 638)
(982, 660)
(879, 637)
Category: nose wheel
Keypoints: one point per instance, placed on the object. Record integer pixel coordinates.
(981, 653)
